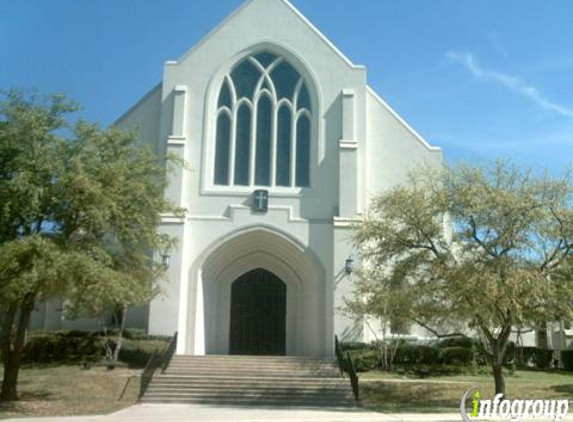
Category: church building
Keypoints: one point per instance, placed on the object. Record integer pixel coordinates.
(284, 143)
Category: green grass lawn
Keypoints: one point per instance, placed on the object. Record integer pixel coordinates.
(391, 392)
(65, 390)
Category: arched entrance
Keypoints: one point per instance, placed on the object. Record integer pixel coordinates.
(238, 257)
(258, 314)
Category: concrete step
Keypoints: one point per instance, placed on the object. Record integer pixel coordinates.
(251, 365)
(274, 374)
(280, 388)
(226, 379)
(307, 403)
(248, 393)
(251, 380)
(303, 365)
(257, 358)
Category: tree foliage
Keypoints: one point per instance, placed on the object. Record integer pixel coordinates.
(480, 247)
(80, 207)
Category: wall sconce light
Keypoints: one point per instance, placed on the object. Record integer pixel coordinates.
(166, 260)
(349, 265)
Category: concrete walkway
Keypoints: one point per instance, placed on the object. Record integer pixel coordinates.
(192, 413)
(199, 413)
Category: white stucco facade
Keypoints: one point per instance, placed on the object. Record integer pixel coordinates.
(358, 146)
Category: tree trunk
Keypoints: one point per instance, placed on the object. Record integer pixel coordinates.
(498, 378)
(498, 347)
(13, 347)
(120, 316)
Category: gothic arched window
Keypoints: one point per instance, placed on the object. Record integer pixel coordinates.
(264, 125)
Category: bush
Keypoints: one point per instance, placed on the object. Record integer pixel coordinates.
(135, 334)
(77, 346)
(540, 358)
(416, 355)
(136, 353)
(464, 342)
(456, 355)
(354, 345)
(365, 360)
(567, 359)
(510, 356)
(73, 346)
(135, 358)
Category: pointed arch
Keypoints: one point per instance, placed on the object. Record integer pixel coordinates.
(277, 95)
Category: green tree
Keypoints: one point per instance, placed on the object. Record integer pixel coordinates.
(485, 246)
(80, 207)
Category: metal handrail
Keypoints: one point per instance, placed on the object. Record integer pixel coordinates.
(147, 374)
(346, 365)
(155, 361)
(339, 355)
(168, 353)
(353, 377)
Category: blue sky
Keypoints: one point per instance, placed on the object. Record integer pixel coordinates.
(480, 78)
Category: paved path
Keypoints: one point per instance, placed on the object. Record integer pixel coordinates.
(192, 413)
(198, 413)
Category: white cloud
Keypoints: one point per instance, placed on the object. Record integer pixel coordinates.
(511, 82)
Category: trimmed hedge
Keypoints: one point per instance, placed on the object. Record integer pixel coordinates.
(567, 359)
(73, 346)
(79, 346)
(456, 355)
(136, 353)
(356, 345)
(416, 355)
(463, 342)
(540, 358)
(365, 360)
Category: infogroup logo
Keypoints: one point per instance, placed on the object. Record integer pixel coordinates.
(474, 407)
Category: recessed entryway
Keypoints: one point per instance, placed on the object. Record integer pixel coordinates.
(258, 314)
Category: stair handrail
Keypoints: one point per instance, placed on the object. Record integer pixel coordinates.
(155, 361)
(346, 365)
(168, 353)
(152, 364)
(353, 375)
(339, 355)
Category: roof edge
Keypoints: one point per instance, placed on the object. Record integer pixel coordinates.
(297, 12)
(137, 104)
(400, 120)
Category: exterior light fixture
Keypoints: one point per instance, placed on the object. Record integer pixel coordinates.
(165, 260)
(349, 265)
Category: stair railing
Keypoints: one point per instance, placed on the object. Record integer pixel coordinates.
(168, 353)
(153, 363)
(353, 377)
(346, 365)
(339, 355)
(157, 360)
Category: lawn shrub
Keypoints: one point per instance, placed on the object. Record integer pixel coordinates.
(414, 354)
(72, 346)
(365, 360)
(79, 346)
(540, 358)
(567, 359)
(135, 334)
(456, 355)
(355, 345)
(464, 342)
(136, 353)
(510, 356)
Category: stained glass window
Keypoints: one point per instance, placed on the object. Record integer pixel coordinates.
(264, 122)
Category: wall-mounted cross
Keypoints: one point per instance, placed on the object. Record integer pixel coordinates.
(261, 200)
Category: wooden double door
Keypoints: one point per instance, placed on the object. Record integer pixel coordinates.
(258, 314)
